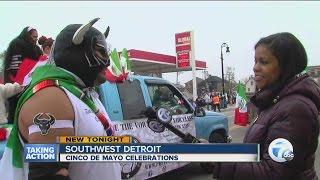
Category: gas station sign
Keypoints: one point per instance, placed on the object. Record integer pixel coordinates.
(183, 48)
(183, 60)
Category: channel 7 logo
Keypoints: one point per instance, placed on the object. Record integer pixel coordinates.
(281, 150)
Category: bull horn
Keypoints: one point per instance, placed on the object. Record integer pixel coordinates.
(52, 118)
(36, 119)
(107, 32)
(79, 34)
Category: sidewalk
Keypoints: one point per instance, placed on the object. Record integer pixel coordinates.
(230, 107)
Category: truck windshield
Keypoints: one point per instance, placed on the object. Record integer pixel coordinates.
(165, 95)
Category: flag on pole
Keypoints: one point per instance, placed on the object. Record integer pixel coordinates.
(241, 111)
(125, 61)
(119, 67)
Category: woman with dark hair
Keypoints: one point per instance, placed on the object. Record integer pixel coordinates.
(46, 44)
(288, 103)
(29, 66)
(22, 49)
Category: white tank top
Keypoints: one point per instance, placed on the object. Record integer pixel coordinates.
(87, 124)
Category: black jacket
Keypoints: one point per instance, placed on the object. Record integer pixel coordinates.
(292, 115)
(19, 48)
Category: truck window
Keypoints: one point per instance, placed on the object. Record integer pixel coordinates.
(165, 95)
(131, 99)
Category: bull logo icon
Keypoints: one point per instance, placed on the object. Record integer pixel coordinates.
(43, 123)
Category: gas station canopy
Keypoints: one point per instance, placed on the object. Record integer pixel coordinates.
(150, 62)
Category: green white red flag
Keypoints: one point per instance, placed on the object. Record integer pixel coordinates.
(120, 66)
(241, 111)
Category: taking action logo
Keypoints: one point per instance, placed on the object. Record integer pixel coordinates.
(281, 150)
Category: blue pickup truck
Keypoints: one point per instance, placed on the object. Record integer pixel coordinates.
(126, 104)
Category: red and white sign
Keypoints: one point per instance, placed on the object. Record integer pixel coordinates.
(183, 60)
(183, 49)
(183, 38)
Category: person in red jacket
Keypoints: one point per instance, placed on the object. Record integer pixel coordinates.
(288, 103)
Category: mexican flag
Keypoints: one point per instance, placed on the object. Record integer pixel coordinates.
(120, 66)
(11, 167)
(23, 75)
(241, 111)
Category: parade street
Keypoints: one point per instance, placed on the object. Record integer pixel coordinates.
(193, 171)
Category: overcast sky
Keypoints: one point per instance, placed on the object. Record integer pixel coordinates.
(151, 26)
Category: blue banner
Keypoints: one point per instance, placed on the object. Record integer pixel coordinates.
(160, 148)
(141, 152)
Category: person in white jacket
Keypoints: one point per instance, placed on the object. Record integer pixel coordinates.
(6, 91)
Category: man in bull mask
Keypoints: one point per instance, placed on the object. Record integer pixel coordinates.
(60, 101)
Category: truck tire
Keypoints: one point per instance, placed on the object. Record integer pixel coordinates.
(215, 137)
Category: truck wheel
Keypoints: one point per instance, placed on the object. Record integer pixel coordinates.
(217, 138)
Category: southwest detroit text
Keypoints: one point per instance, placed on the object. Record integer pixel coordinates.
(111, 149)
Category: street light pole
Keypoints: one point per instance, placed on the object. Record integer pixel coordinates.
(227, 51)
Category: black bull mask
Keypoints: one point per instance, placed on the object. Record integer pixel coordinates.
(74, 51)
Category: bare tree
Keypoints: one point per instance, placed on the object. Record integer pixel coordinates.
(205, 74)
(244, 80)
(231, 79)
(2, 56)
